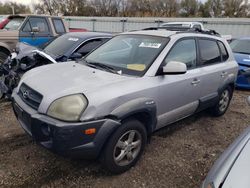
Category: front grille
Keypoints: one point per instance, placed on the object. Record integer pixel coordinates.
(30, 96)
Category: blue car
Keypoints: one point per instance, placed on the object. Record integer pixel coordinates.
(241, 50)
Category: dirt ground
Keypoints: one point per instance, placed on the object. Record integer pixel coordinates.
(178, 156)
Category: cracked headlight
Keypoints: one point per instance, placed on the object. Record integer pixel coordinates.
(68, 108)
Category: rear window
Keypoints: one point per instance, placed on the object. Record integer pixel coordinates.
(61, 45)
(240, 46)
(14, 24)
(59, 26)
(209, 52)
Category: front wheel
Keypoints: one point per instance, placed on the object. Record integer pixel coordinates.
(3, 57)
(222, 105)
(1, 91)
(125, 147)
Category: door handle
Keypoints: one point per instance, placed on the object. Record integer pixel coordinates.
(195, 82)
(223, 74)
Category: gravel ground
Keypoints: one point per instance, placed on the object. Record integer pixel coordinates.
(178, 156)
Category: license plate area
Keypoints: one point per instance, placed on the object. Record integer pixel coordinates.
(23, 117)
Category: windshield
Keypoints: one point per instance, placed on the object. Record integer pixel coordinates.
(241, 46)
(14, 24)
(129, 54)
(61, 45)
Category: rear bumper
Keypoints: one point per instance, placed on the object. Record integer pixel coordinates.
(65, 138)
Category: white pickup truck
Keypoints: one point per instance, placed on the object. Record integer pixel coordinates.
(184, 24)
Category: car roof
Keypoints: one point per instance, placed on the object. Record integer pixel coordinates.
(86, 35)
(25, 15)
(170, 23)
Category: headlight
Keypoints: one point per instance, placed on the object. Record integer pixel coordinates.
(68, 108)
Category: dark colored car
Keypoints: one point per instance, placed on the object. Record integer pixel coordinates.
(241, 50)
(70, 46)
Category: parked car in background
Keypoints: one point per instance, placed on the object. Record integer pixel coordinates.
(189, 25)
(35, 30)
(70, 46)
(107, 105)
(241, 50)
(3, 21)
(232, 168)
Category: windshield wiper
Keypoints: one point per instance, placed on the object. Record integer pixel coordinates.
(102, 66)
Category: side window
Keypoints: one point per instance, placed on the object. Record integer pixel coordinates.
(59, 26)
(183, 51)
(41, 23)
(27, 27)
(223, 50)
(197, 26)
(88, 46)
(209, 52)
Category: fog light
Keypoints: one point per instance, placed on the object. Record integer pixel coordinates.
(90, 131)
(46, 130)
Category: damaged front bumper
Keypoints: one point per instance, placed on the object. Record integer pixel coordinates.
(64, 138)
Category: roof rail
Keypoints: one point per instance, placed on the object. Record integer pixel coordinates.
(185, 30)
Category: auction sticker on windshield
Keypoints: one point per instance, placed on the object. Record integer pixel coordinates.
(150, 45)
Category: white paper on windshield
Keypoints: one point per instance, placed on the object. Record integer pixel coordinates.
(73, 39)
(150, 45)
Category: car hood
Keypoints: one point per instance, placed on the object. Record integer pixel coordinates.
(242, 59)
(239, 173)
(25, 50)
(62, 79)
(228, 164)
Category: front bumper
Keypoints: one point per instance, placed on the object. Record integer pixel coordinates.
(64, 138)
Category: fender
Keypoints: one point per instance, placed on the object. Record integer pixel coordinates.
(135, 106)
(6, 46)
(230, 80)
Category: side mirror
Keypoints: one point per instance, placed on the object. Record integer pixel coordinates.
(75, 55)
(35, 29)
(174, 67)
(248, 100)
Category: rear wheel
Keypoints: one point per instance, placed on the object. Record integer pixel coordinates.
(222, 105)
(125, 147)
(3, 57)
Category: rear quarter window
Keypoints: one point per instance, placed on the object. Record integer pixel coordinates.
(224, 53)
(59, 26)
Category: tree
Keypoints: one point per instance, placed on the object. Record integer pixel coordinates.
(18, 8)
(235, 8)
(189, 8)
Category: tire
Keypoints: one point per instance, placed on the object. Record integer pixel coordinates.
(1, 92)
(3, 57)
(125, 147)
(223, 103)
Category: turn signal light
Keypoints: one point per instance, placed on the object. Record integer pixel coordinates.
(90, 131)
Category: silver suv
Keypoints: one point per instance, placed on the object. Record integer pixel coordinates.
(108, 104)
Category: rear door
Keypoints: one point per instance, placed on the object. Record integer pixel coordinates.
(42, 36)
(213, 65)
